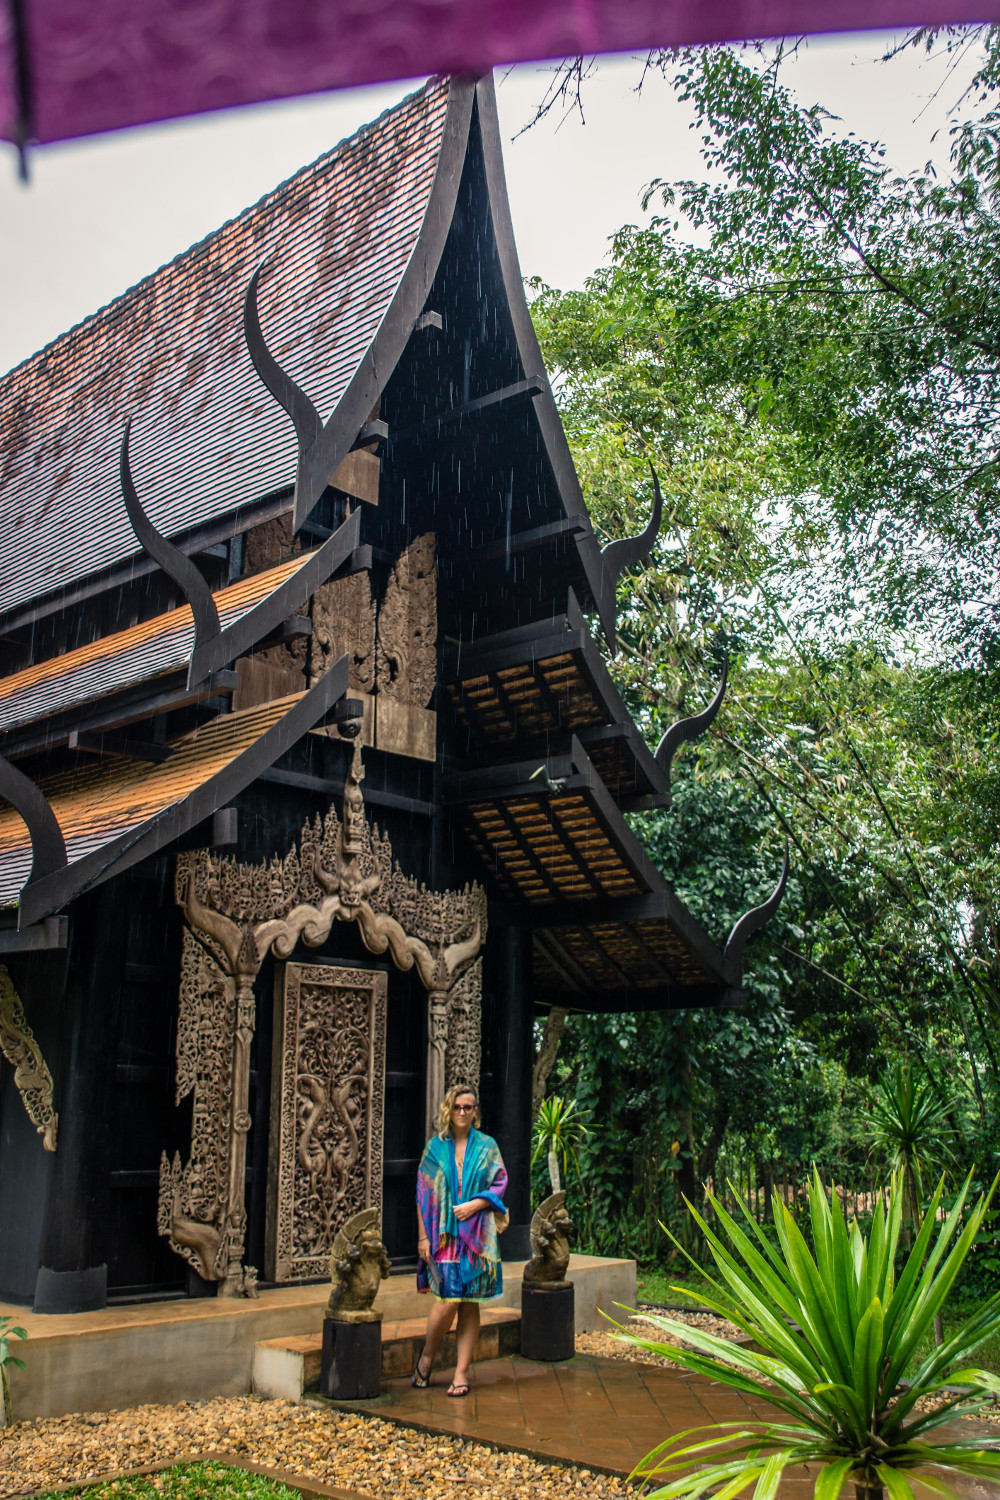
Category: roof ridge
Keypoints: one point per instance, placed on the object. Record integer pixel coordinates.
(200, 247)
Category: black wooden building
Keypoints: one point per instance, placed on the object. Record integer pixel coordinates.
(313, 778)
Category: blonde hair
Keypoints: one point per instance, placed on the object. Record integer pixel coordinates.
(448, 1103)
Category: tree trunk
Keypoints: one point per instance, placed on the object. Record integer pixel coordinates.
(545, 1060)
(6, 1414)
(865, 1490)
(710, 1151)
(554, 1177)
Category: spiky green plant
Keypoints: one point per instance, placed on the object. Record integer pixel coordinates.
(558, 1131)
(911, 1128)
(837, 1330)
(7, 1332)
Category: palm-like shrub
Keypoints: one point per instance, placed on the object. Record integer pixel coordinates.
(911, 1128)
(837, 1331)
(559, 1129)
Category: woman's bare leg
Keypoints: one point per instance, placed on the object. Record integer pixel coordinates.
(468, 1333)
(439, 1320)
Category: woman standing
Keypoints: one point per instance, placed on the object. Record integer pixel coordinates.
(460, 1188)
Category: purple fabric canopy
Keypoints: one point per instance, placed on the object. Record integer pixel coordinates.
(75, 67)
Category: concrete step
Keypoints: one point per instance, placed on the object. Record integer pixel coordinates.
(289, 1367)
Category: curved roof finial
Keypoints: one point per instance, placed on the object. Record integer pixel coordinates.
(175, 563)
(310, 479)
(688, 729)
(753, 921)
(626, 553)
(48, 847)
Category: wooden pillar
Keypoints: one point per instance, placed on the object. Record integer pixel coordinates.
(73, 1273)
(508, 1020)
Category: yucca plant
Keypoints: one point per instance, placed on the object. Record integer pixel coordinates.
(837, 1330)
(911, 1128)
(558, 1131)
(7, 1332)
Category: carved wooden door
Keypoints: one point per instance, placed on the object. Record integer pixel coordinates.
(327, 1106)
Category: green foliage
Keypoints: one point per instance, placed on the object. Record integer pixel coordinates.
(7, 1332)
(559, 1129)
(804, 344)
(836, 1329)
(911, 1126)
(207, 1481)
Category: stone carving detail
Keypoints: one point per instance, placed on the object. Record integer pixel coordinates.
(407, 626)
(551, 1236)
(343, 616)
(31, 1075)
(341, 871)
(358, 1264)
(330, 1035)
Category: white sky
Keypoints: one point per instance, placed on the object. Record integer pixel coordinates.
(100, 214)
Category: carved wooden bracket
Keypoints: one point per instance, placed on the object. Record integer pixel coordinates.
(31, 1075)
(341, 871)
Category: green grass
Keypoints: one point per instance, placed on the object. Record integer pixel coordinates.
(213, 1481)
(669, 1288)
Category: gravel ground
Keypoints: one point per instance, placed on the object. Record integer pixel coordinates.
(365, 1454)
(610, 1345)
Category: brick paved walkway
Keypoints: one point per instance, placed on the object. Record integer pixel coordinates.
(603, 1414)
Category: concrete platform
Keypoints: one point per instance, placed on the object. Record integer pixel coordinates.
(288, 1368)
(193, 1349)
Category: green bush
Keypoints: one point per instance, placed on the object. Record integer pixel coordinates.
(835, 1332)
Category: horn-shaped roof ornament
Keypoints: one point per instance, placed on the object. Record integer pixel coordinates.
(175, 563)
(626, 553)
(753, 921)
(48, 847)
(313, 471)
(688, 729)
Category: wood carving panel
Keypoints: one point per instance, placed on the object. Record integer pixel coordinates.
(31, 1075)
(193, 1198)
(328, 1103)
(407, 626)
(343, 616)
(407, 655)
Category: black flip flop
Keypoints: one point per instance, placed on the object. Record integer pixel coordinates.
(418, 1381)
(458, 1390)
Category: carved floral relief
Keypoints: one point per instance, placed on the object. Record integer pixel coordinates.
(32, 1078)
(326, 1134)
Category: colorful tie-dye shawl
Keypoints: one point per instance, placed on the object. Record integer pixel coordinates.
(465, 1257)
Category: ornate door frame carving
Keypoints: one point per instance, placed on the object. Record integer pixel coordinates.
(341, 871)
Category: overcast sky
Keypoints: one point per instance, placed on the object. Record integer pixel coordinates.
(100, 214)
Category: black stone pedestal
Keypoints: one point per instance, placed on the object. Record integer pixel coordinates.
(352, 1360)
(548, 1321)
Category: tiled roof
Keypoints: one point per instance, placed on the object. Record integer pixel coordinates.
(207, 437)
(99, 803)
(117, 661)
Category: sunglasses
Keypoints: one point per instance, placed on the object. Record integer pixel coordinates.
(464, 1109)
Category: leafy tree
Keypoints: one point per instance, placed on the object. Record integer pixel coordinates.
(812, 371)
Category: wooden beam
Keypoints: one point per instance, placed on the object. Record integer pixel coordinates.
(521, 840)
(333, 786)
(131, 707)
(53, 932)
